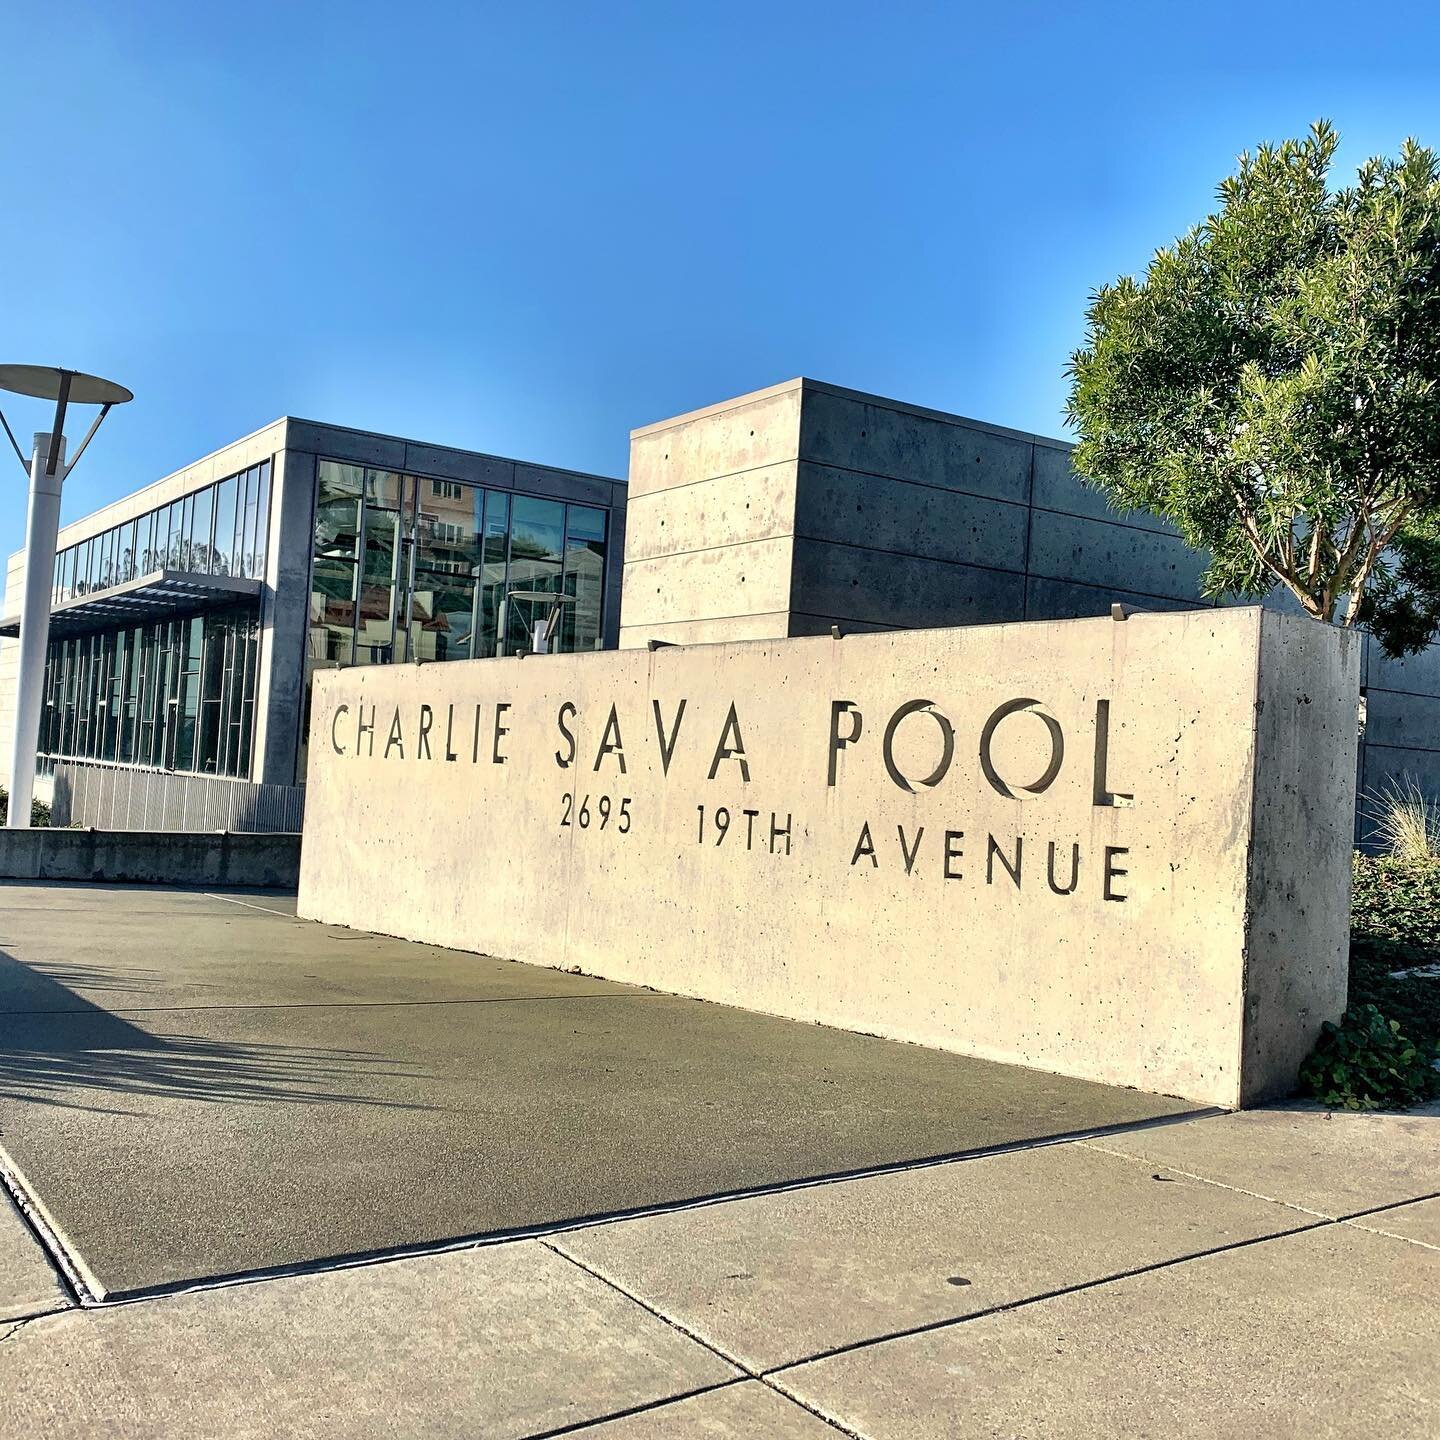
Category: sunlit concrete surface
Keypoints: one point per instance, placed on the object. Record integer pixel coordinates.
(1063, 1290)
(195, 1086)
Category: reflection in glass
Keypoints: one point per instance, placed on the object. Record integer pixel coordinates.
(202, 518)
(226, 493)
(584, 578)
(177, 693)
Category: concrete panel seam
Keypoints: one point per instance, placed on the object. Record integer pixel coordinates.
(747, 1371)
(646, 1407)
(635, 500)
(728, 545)
(1189, 600)
(1390, 745)
(1391, 690)
(945, 417)
(951, 1322)
(1207, 1180)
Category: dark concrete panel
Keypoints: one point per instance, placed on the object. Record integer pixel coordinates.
(388, 1095)
(561, 484)
(1091, 552)
(823, 624)
(614, 575)
(1384, 766)
(1063, 600)
(1415, 674)
(1395, 718)
(853, 435)
(1058, 487)
(356, 446)
(284, 618)
(442, 462)
(871, 585)
(883, 514)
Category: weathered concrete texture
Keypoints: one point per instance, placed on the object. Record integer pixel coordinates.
(1065, 600)
(151, 857)
(926, 521)
(878, 514)
(1419, 1222)
(1057, 487)
(322, 1092)
(1098, 913)
(1334, 1163)
(733, 1412)
(854, 584)
(883, 437)
(29, 1284)
(1325, 1333)
(775, 1279)
(502, 1341)
(1097, 552)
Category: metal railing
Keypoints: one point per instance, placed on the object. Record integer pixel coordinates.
(126, 797)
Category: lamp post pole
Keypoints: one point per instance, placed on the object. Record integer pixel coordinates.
(42, 524)
(47, 469)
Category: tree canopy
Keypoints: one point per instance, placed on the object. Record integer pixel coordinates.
(1270, 387)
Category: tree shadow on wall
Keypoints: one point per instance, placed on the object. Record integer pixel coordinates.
(58, 1048)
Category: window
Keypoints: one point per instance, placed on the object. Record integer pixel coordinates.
(220, 529)
(408, 567)
(175, 693)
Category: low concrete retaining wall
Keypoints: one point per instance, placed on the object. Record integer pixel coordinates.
(150, 857)
(1114, 850)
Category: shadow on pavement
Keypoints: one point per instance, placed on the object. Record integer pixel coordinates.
(63, 1050)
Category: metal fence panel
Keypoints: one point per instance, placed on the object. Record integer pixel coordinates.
(122, 797)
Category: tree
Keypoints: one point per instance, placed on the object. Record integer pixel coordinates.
(1270, 387)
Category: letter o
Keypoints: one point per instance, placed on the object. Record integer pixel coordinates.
(947, 737)
(1057, 748)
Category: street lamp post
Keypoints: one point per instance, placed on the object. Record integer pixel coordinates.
(46, 470)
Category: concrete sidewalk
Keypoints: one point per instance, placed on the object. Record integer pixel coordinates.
(1274, 1273)
(195, 1086)
(208, 1105)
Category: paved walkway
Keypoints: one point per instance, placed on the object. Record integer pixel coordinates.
(1275, 1273)
(266, 1092)
(1268, 1274)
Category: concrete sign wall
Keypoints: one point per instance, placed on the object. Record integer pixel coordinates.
(1117, 850)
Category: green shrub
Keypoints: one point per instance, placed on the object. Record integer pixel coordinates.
(1395, 941)
(39, 812)
(1366, 1062)
(1381, 1053)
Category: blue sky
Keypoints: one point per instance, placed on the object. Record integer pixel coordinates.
(527, 228)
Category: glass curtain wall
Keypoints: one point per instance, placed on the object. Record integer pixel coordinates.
(173, 694)
(222, 529)
(412, 568)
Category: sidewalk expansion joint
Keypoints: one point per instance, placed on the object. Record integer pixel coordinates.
(645, 1407)
(34, 1219)
(10, 1328)
(1345, 1217)
(325, 1264)
(1208, 1180)
(748, 1371)
(1079, 1288)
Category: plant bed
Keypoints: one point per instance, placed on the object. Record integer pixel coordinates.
(1382, 1053)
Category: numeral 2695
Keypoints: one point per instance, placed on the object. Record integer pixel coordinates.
(604, 811)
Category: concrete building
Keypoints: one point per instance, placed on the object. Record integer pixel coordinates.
(792, 509)
(188, 617)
